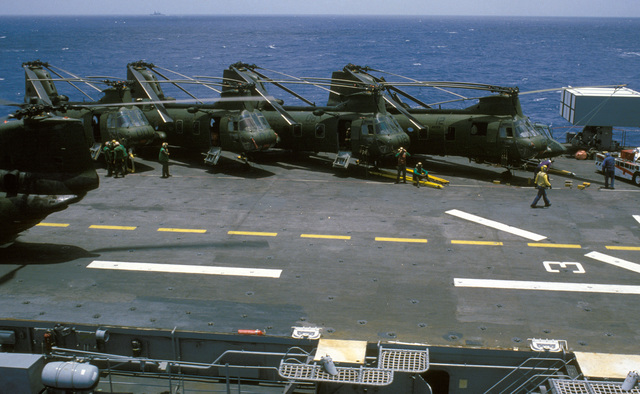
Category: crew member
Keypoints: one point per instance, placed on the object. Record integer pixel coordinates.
(119, 155)
(163, 158)
(609, 170)
(418, 174)
(402, 155)
(107, 151)
(542, 183)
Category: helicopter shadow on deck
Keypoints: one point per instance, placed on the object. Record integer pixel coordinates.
(473, 171)
(227, 164)
(320, 163)
(28, 253)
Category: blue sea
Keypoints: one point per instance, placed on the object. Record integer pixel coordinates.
(530, 53)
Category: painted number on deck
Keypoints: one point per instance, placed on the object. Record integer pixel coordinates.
(577, 267)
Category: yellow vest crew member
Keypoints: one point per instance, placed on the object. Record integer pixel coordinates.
(542, 183)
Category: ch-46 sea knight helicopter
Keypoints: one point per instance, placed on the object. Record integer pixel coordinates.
(112, 117)
(358, 127)
(494, 130)
(232, 123)
(44, 167)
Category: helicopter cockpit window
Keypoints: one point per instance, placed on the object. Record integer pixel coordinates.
(260, 120)
(385, 125)
(524, 128)
(247, 122)
(127, 118)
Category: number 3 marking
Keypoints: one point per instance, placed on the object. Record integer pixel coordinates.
(578, 267)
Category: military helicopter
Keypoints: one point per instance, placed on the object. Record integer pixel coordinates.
(358, 127)
(232, 123)
(494, 130)
(44, 167)
(107, 119)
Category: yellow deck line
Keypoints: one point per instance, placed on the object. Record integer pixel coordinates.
(53, 224)
(415, 240)
(100, 227)
(543, 245)
(257, 233)
(325, 236)
(486, 243)
(623, 247)
(183, 230)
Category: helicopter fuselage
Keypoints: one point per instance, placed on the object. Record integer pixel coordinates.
(201, 127)
(323, 129)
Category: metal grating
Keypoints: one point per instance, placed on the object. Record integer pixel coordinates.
(565, 386)
(315, 373)
(404, 360)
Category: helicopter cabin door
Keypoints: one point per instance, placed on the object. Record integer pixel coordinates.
(362, 132)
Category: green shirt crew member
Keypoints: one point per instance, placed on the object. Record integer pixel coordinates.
(107, 151)
(418, 174)
(163, 158)
(119, 154)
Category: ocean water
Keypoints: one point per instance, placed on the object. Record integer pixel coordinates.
(530, 53)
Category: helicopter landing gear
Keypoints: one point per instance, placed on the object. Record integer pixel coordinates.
(507, 174)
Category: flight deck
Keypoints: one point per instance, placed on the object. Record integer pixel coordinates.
(292, 243)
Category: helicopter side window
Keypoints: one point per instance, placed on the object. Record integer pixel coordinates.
(320, 130)
(196, 128)
(423, 134)
(451, 134)
(505, 131)
(479, 129)
(111, 121)
(179, 126)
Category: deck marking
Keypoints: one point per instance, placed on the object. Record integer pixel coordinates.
(546, 286)
(623, 247)
(347, 237)
(486, 243)
(185, 269)
(415, 240)
(53, 224)
(182, 230)
(543, 245)
(637, 218)
(614, 261)
(100, 227)
(496, 225)
(257, 233)
(579, 269)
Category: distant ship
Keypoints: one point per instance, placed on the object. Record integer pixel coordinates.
(156, 13)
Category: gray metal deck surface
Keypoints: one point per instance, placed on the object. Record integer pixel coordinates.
(362, 258)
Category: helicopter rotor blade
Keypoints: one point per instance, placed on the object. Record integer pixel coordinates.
(37, 85)
(51, 68)
(184, 76)
(152, 95)
(258, 89)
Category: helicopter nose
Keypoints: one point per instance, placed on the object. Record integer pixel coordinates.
(554, 148)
